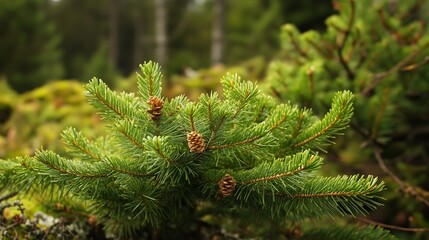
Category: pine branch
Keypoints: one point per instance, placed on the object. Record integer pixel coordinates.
(111, 105)
(338, 196)
(155, 164)
(388, 226)
(149, 84)
(322, 132)
(48, 172)
(378, 78)
(349, 232)
(257, 132)
(214, 110)
(7, 169)
(130, 136)
(290, 30)
(298, 127)
(170, 163)
(240, 93)
(380, 113)
(61, 167)
(80, 145)
(132, 168)
(286, 172)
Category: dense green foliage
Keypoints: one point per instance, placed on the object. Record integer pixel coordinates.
(29, 53)
(170, 161)
(379, 51)
(36, 119)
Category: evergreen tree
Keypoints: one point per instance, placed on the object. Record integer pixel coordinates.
(378, 50)
(168, 163)
(29, 53)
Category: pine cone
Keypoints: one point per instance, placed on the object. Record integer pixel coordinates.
(156, 107)
(196, 142)
(227, 185)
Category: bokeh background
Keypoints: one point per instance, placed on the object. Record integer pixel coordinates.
(50, 48)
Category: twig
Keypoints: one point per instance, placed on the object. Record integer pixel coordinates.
(7, 196)
(380, 113)
(379, 77)
(405, 229)
(415, 65)
(395, 34)
(344, 63)
(296, 45)
(405, 187)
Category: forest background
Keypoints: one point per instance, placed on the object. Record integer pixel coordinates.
(50, 48)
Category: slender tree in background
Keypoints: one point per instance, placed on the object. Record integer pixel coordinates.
(218, 32)
(139, 33)
(113, 32)
(161, 40)
(168, 165)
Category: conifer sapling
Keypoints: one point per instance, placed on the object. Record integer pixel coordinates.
(238, 155)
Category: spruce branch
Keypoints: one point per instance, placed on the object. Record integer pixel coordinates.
(133, 168)
(349, 232)
(129, 135)
(378, 78)
(78, 144)
(290, 30)
(388, 226)
(111, 105)
(298, 127)
(241, 93)
(149, 84)
(281, 170)
(322, 132)
(260, 131)
(380, 113)
(62, 168)
(156, 166)
(404, 186)
(338, 196)
(215, 112)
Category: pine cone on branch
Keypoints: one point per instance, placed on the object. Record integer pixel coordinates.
(227, 185)
(156, 105)
(196, 142)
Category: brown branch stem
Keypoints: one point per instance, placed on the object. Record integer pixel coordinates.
(379, 77)
(405, 187)
(87, 151)
(280, 175)
(405, 229)
(305, 141)
(71, 173)
(131, 139)
(344, 63)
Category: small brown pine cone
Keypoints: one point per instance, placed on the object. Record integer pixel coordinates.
(227, 185)
(196, 142)
(92, 220)
(156, 105)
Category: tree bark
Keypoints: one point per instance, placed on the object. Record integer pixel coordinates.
(113, 32)
(161, 33)
(218, 32)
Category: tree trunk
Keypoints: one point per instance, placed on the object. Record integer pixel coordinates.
(218, 32)
(161, 33)
(113, 33)
(138, 37)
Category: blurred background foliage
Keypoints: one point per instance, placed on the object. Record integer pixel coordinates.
(302, 51)
(379, 50)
